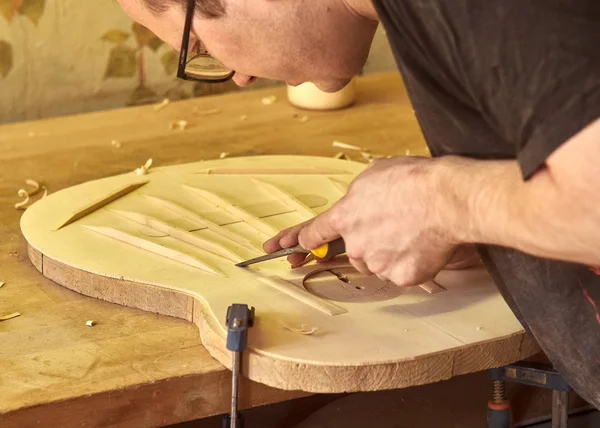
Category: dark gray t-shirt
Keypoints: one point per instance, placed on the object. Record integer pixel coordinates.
(512, 79)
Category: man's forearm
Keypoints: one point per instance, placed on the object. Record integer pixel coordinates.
(493, 205)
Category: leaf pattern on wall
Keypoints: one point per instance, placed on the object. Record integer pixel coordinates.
(6, 58)
(121, 62)
(116, 36)
(142, 61)
(32, 9)
(8, 8)
(170, 61)
(145, 37)
(122, 59)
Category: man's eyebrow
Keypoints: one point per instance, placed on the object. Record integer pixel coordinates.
(210, 9)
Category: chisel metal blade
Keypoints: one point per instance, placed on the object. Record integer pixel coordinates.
(274, 255)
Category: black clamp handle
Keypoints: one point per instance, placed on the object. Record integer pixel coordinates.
(239, 318)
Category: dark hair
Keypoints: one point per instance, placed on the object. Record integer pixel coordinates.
(206, 8)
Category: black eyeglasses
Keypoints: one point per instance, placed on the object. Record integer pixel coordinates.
(201, 67)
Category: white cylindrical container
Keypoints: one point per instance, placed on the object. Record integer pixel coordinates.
(308, 96)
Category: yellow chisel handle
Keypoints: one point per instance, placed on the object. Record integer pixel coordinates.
(330, 249)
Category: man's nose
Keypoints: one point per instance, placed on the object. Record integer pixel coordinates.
(243, 79)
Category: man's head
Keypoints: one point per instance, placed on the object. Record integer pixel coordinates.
(322, 41)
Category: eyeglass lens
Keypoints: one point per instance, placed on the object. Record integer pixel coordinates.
(202, 66)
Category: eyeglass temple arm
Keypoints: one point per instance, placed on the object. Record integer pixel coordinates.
(186, 38)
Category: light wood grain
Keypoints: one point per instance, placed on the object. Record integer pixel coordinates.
(181, 234)
(152, 370)
(152, 247)
(358, 323)
(301, 295)
(287, 198)
(105, 200)
(237, 211)
(202, 223)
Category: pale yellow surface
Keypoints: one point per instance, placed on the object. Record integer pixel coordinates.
(361, 322)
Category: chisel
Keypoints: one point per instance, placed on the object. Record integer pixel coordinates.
(330, 249)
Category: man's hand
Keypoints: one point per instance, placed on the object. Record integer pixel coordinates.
(404, 219)
(285, 239)
(395, 220)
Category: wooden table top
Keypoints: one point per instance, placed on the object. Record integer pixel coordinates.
(135, 368)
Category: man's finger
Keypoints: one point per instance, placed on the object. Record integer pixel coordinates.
(273, 243)
(284, 239)
(360, 266)
(319, 231)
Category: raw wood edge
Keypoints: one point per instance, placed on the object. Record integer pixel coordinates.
(279, 373)
(431, 287)
(146, 297)
(37, 258)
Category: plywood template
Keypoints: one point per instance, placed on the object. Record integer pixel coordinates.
(319, 328)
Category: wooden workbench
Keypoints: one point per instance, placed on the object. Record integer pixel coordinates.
(135, 368)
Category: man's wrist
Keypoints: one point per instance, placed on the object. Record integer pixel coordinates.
(460, 185)
(452, 202)
(480, 196)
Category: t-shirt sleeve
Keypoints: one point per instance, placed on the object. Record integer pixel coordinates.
(535, 73)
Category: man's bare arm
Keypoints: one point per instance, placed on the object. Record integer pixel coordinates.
(404, 218)
(555, 214)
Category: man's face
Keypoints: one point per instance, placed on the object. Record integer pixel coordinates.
(291, 40)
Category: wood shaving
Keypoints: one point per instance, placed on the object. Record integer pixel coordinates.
(31, 134)
(367, 156)
(224, 155)
(300, 118)
(90, 323)
(207, 111)
(143, 170)
(27, 195)
(34, 184)
(407, 152)
(179, 125)
(1, 284)
(163, 104)
(341, 145)
(269, 100)
(116, 143)
(342, 155)
(304, 329)
(244, 117)
(370, 157)
(10, 316)
(22, 205)
(479, 328)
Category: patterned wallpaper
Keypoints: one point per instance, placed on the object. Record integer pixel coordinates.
(68, 56)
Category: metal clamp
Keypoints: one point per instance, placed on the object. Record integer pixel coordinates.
(239, 318)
